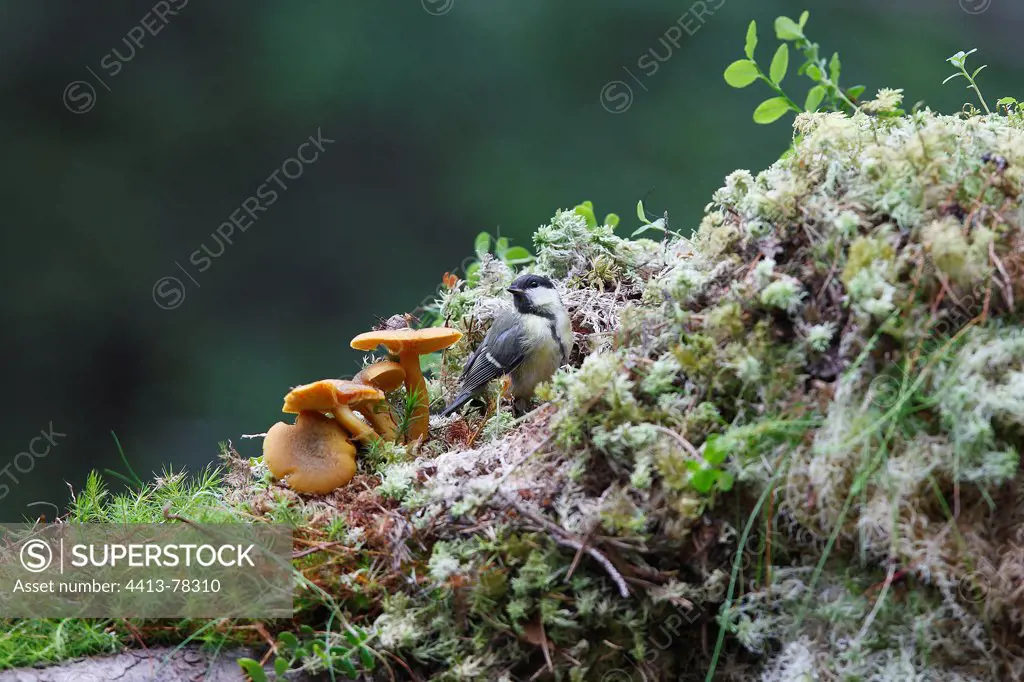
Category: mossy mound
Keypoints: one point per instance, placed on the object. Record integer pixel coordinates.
(786, 449)
(802, 424)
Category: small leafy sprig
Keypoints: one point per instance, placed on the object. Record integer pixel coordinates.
(959, 61)
(1010, 105)
(349, 657)
(586, 210)
(824, 75)
(509, 255)
(658, 225)
(708, 473)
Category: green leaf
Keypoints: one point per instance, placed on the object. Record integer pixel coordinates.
(482, 245)
(770, 110)
(1007, 102)
(741, 73)
(955, 75)
(803, 19)
(855, 92)
(288, 640)
(725, 481)
(347, 668)
(813, 72)
(640, 212)
(501, 247)
(714, 449)
(658, 224)
(703, 480)
(517, 255)
(472, 272)
(814, 97)
(748, 49)
(611, 220)
(280, 666)
(787, 29)
(959, 58)
(978, 70)
(780, 64)
(253, 669)
(586, 209)
(834, 67)
(366, 657)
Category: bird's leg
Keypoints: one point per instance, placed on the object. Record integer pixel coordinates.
(520, 406)
(506, 388)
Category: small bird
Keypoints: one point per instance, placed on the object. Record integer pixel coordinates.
(529, 343)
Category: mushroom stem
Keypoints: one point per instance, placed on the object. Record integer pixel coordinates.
(379, 414)
(354, 425)
(416, 385)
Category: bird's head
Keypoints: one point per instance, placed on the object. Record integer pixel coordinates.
(532, 293)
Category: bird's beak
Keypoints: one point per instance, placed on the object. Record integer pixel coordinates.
(515, 290)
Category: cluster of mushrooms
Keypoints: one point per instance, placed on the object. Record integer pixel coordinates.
(317, 453)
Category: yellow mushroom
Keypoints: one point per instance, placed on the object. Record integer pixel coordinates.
(313, 455)
(409, 345)
(386, 376)
(338, 397)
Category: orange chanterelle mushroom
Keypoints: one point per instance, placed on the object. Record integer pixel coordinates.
(314, 453)
(338, 397)
(409, 345)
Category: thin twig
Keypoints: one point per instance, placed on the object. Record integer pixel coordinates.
(316, 548)
(878, 603)
(616, 577)
(564, 538)
(168, 516)
(135, 633)
(576, 560)
(679, 439)
(1007, 287)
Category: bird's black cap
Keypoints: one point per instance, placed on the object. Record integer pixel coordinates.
(525, 282)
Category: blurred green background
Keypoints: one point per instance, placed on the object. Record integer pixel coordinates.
(448, 117)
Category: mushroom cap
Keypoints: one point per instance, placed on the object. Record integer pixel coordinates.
(385, 375)
(418, 341)
(314, 453)
(328, 394)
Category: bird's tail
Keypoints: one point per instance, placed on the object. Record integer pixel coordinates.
(460, 400)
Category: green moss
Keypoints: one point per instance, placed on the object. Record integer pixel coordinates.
(842, 337)
(725, 322)
(863, 253)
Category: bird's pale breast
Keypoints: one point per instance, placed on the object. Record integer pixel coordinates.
(542, 359)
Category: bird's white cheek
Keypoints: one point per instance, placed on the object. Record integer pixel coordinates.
(544, 297)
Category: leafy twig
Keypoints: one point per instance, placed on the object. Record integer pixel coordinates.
(825, 75)
(959, 60)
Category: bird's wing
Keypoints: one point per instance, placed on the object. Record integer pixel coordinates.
(498, 354)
